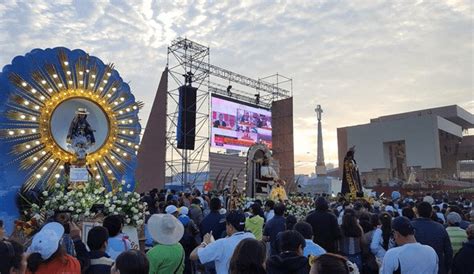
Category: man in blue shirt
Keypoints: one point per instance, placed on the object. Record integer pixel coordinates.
(276, 225)
(214, 222)
(429, 232)
(311, 248)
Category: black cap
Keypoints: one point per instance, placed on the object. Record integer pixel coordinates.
(403, 226)
(236, 219)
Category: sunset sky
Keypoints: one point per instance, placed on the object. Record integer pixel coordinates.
(358, 59)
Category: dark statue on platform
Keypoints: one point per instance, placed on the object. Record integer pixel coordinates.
(350, 176)
(80, 136)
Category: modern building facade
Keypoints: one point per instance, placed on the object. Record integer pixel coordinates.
(430, 143)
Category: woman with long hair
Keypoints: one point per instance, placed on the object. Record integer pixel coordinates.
(46, 254)
(382, 239)
(351, 242)
(248, 258)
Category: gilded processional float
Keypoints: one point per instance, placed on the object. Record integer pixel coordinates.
(70, 135)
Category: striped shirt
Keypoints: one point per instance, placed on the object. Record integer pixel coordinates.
(457, 236)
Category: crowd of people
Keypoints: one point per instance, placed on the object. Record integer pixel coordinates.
(196, 233)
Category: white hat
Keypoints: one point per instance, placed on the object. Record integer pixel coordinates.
(82, 111)
(171, 209)
(428, 199)
(46, 241)
(183, 210)
(165, 229)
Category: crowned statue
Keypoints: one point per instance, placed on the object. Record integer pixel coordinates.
(351, 183)
(80, 137)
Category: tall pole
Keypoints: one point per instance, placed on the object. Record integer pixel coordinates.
(320, 165)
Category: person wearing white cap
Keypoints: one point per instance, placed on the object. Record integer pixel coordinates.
(168, 255)
(46, 254)
(173, 210)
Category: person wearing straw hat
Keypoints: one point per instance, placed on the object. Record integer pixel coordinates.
(168, 255)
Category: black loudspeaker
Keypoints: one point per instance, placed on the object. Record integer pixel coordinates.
(186, 131)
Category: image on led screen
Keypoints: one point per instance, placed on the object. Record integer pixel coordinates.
(237, 126)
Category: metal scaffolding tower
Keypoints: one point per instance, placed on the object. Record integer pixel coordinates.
(190, 59)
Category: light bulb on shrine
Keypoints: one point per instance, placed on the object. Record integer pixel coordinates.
(22, 131)
(131, 132)
(33, 118)
(124, 154)
(60, 85)
(37, 142)
(56, 176)
(37, 107)
(66, 63)
(43, 152)
(97, 177)
(118, 163)
(42, 98)
(26, 103)
(109, 171)
(33, 90)
(33, 130)
(69, 82)
(81, 73)
(81, 82)
(22, 116)
(24, 84)
(55, 76)
(45, 168)
(28, 146)
(93, 76)
(38, 176)
(51, 160)
(43, 82)
(11, 132)
(35, 158)
(108, 74)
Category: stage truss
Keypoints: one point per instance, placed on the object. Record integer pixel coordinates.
(189, 59)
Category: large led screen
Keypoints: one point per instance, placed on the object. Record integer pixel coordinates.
(236, 125)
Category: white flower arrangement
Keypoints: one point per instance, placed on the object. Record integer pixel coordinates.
(79, 199)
